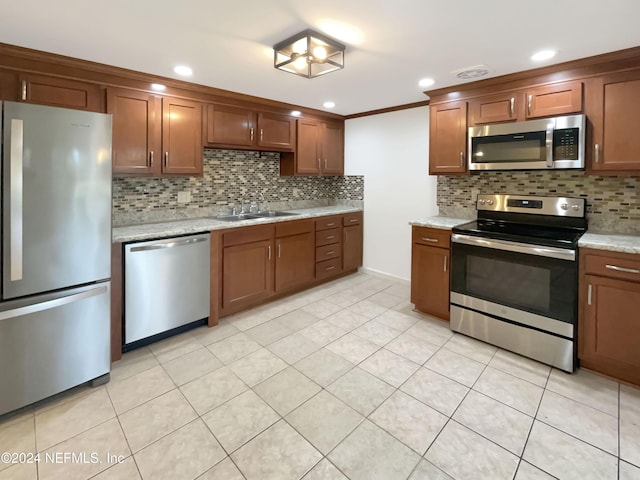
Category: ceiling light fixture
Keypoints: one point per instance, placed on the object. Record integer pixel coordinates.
(329, 104)
(467, 73)
(308, 54)
(543, 55)
(183, 70)
(426, 82)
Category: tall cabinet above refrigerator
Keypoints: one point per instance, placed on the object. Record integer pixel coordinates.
(56, 238)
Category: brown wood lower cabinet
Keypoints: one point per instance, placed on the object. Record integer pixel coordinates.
(430, 260)
(352, 240)
(251, 265)
(609, 326)
(295, 250)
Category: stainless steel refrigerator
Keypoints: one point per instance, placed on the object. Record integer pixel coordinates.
(56, 239)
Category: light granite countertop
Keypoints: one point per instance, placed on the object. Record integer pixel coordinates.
(611, 241)
(444, 223)
(148, 231)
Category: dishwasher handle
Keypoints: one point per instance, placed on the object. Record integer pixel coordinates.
(171, 244)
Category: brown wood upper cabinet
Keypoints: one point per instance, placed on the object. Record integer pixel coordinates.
(155, 135)
(448, 138)
(59, 92)
(609, 298)
(319, 149)
(612, 106)
(237, 126)
(9, 86)
(561, 98)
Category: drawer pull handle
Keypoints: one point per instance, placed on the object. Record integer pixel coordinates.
(330, 253)
(24, 90)
(330, 237)
(512, 104)
(353, 220)
(330, 224)
(329, 268)
(432, 240)
(622, 269)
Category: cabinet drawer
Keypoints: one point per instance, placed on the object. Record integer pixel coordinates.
(327, 252)
(325, 223)
(328, 268)
(431, 236)
(352, 219)
(325, 237)
(239, 236)
(627, 268)
(296, 227)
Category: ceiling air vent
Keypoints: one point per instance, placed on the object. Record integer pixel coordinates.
(468, 73)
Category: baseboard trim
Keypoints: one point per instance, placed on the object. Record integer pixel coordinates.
(378, 273)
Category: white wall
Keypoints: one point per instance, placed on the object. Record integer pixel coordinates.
(391, 150)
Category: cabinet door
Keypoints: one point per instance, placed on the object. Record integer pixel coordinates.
(308, 151)
(430, 279)
(448, 138)
(332, 149)
(613, 103)
(611, 326)
(276, 131)
(247, 274)
(295, 262)
(558, 99)
(136, 131)
(181, 136)
(9, 86)
(60, 92)
(503, 107)
(352, 247)
(230, 125)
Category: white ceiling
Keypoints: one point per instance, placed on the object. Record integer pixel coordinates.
(393, 44)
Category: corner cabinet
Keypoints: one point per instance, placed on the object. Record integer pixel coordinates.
(155, 135)
(319, 149)
(612, 106)
(430, 260)
(448, 138)
(233, 126)
(609, 332)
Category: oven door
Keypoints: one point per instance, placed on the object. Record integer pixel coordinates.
(531, 282)
(517, 296)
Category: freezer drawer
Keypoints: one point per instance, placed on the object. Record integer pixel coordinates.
(166, 285)
(53, 342)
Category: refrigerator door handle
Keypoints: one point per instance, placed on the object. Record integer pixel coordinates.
(15, 195)
(50, 304)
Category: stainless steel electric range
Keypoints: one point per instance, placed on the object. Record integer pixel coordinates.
(514, 275)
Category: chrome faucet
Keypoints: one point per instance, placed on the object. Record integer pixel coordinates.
(262, 202)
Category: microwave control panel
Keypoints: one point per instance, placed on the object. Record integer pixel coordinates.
(565, 144)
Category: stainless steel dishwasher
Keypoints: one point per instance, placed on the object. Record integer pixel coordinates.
(166, 285)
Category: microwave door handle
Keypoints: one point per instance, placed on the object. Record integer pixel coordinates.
(549, 144)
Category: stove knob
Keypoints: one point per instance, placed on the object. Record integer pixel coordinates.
(489, 202)
(481, 201)
(564, 206)
(575, 207)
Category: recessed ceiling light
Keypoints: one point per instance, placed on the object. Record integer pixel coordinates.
(329, 104)
(296, 113)
(183, 70)
(543, 55)
(158, 87)
(426, 82)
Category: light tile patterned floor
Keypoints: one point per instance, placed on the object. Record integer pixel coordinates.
(344, 381)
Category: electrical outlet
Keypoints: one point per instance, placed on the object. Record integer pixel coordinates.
(184, 197)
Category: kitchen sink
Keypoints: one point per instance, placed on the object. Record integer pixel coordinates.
(253, 216)
(273, 213)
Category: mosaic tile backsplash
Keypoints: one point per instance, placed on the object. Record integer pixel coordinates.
(229, 175)
(613, 203)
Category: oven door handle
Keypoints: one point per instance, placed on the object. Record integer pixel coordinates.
(542, 251)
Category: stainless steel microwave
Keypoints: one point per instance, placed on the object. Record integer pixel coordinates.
(547, 143)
